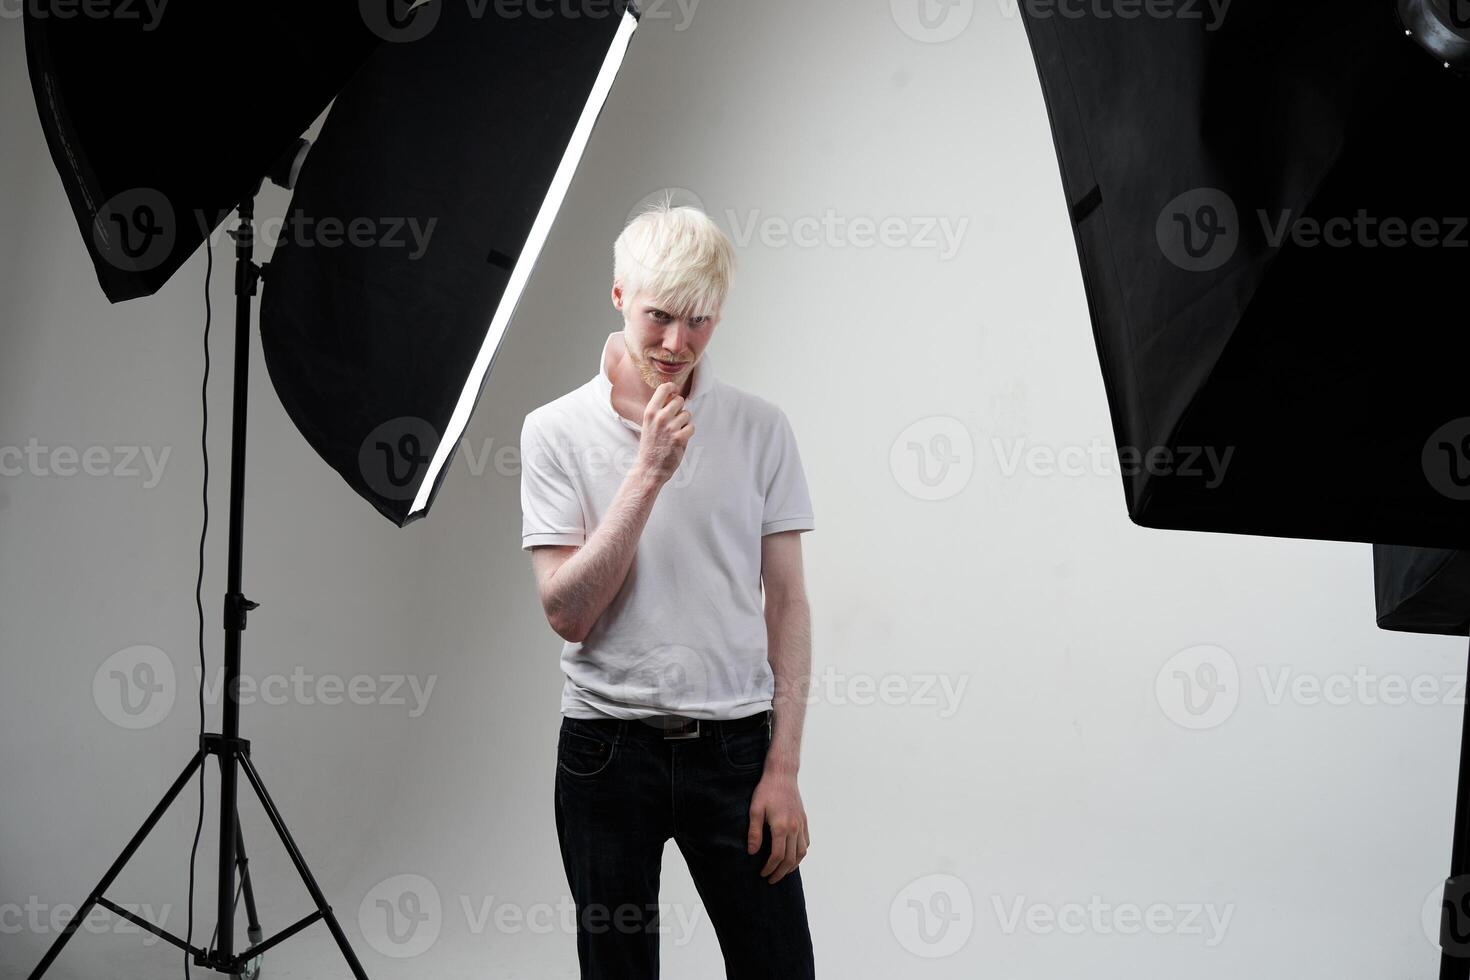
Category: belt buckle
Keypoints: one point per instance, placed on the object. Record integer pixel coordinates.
(688, 728)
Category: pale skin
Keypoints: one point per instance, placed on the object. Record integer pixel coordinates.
(576, 583)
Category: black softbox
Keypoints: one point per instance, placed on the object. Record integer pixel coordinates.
(1270, 211)
(449, 156)
(162, 117)
(1422, 590)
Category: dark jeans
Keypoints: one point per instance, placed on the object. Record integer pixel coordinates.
(622, 790)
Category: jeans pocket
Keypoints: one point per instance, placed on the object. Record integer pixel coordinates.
(744, 751)
(583, 755)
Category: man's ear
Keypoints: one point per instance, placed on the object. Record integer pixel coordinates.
(617, 296)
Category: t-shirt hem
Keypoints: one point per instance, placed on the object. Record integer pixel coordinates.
(552, 537)
(582, 710)
(789, 524)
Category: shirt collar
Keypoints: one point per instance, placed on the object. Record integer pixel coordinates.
(614, 347)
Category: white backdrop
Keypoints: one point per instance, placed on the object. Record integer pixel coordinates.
(1010, 767)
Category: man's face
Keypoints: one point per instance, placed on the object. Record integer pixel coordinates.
(662, 345)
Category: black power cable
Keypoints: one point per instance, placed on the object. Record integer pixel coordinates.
(199, 585)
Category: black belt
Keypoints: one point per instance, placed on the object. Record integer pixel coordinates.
(665, 727)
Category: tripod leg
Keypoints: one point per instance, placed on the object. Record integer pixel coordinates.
(253, 930)
(81, 914)
(311, 886)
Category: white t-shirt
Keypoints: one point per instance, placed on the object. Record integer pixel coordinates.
(686, 632)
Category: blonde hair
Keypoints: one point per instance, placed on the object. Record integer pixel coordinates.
(676, 256)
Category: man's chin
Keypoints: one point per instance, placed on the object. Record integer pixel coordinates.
(653, 377)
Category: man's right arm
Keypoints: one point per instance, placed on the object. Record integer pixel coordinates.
(577, 582)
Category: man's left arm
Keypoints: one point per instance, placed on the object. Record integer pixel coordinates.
(776, 801)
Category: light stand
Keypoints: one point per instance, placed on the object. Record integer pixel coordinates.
(1453, 939)
(232, 751)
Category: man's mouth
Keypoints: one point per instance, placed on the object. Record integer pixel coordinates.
(669, 367)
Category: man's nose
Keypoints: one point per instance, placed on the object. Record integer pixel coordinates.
(676, 337)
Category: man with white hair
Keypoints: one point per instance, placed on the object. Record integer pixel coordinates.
(663, 510)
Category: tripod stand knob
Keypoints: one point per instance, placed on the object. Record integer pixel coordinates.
(236, 607)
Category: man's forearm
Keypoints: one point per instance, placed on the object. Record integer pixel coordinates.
(789, 649)
(585, 584)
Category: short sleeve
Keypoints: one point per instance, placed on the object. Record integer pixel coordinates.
(788, 503)
(551, 512)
